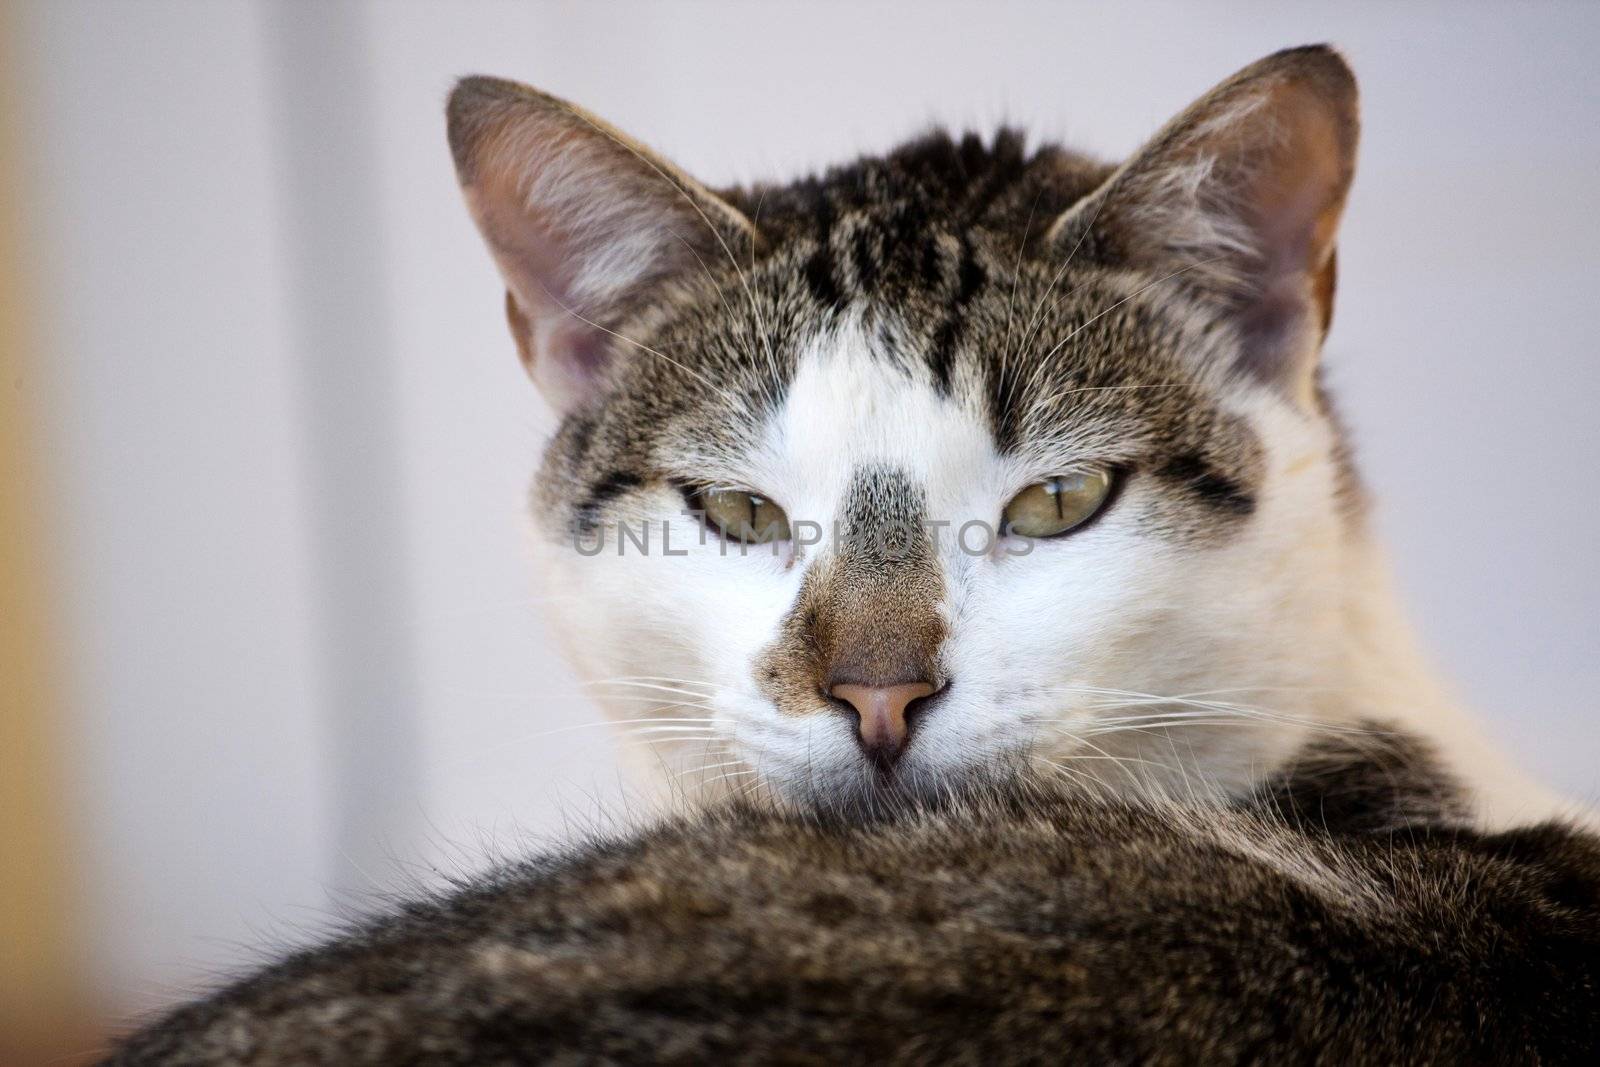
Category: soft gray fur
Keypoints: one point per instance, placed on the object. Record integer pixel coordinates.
(1344, 916)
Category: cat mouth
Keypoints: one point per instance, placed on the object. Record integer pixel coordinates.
(873, 787)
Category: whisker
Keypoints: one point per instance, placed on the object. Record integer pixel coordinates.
(708, 683)
(671, 728)
(744, 280)
(670, 739)
(1120, 759)
(1125, 698)
(1016, 276)
(707, 382)
(1052, 398)
(1037, 317)
(1077, 777)
(1043, 361)
(732, 775)
(653, 686)
(715, 766)
(655, 701)
(1160, 726)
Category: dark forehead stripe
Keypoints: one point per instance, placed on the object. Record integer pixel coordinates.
(866, 248)
(960, 183)
(601, 492)
(1209, 485)
(878, 227)
(901, 259)
(970, 278)
(820, 275)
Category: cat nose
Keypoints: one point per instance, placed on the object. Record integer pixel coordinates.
(881, 714)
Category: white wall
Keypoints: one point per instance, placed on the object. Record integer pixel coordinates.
(195, 229)
(176, 437)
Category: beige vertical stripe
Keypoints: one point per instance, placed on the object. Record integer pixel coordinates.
(39, 979)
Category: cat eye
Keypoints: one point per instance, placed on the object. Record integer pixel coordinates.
(1058, 505)
(742, 516)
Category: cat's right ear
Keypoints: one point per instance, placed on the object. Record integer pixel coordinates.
(1238, 199)
(586, 225)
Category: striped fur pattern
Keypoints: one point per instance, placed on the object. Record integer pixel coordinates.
(1343, 914)
(910, 340)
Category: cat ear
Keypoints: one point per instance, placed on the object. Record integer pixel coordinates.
(586, 225)
(1239, 198)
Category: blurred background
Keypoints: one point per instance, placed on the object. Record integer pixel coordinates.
(268, 645)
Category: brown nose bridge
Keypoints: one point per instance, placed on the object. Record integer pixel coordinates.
(869, 614)
(885, 626)
(883, 630)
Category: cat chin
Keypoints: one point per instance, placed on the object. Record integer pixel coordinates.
(864, 789)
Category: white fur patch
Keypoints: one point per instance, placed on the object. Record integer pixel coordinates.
(1240, 650)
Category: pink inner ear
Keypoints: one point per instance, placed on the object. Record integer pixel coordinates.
(578, 355)
(562, 352)
(1274, 327)
(1295, 196)
(583, 222)
(1240, 198)
(1298, 189)
(564, 356)
(530, 253)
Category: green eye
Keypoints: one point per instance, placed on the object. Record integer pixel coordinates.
(742, 516)
(1051, 508)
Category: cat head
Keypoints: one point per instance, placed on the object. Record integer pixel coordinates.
(959, 456)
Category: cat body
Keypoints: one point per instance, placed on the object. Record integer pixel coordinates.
(888, 367)
(1344, 914)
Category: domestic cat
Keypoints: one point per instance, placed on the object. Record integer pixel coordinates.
(1344, 913)
(969, 452)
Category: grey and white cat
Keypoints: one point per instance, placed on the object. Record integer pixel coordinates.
(960, 454)
(1131, 780)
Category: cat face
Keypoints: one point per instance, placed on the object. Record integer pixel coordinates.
(946, 460)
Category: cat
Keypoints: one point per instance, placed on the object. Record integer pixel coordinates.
(1344, 913)
(968, 452)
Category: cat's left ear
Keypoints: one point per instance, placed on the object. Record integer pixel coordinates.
(588, 227)
(1239, 198)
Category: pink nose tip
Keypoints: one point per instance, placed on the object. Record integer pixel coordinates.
(881, 711)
